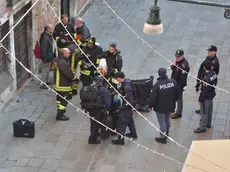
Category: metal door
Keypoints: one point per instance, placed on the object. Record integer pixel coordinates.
(21, 45)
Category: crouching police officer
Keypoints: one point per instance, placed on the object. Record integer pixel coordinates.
(63, 78)
(99, 112)
(126, 113)
(206, 97)
(163, 97)
(181, 78)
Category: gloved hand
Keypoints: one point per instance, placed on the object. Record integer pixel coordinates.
(77, 80)
(197, 87)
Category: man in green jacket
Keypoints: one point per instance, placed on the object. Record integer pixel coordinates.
(47, 54)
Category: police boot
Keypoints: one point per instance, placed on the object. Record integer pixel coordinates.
(161, 140)
(197, 111)
(61, 117)
(94, 142)
(175, 116)
(74, 92)
(130, 135)
(119, 141)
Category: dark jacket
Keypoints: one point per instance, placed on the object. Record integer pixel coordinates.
(215, 64)
(164, 95)
(110, 59)
(93, 54)
(46, 44)
(127, 91)
(60, 33)
(63, 75)
(208, 92)
(178, 75)
(84, 33)
(106, 97)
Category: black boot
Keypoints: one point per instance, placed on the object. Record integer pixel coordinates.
(130, 135)
(94, 142)
(197, 111)
(119, 141)
(161, 140)
(74, 92)
(61, 117)
(175, 116)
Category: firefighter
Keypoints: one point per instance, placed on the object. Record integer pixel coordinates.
(61, 35)
(82, 32)
(63, 78)
(212, 58)
(74, 52)
(87, 70)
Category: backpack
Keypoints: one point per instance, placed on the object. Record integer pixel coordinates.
(90, 97)
(119, 61)
(37, 50)
(132, 85)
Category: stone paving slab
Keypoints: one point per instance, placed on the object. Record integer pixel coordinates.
(62, 146)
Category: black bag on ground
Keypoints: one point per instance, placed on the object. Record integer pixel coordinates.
(142, 89)
(24, 128)
(90, 97)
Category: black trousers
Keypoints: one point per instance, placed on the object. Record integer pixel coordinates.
(62, 103)
(95, 126)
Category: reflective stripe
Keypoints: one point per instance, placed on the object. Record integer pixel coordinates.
(75, 77)
(98, 61)
(115, 71)
(85, 72)
(72, 62)
(79, 42)
(59, 50)
(75, 36)
(116, 96)
(80, 63)
(61, 107)
(58, 102)
(57, 38)
(64, 89)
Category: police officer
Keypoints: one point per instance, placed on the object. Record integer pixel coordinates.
(63, 78)
(163, 97)
(206, 98)
(82, 31)
(181, 78)
(97, 112)
(74, 52)
(212, 58)
(61, 35)
(87, 70)
(126, 113)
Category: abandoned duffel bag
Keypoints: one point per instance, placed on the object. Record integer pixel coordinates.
(23, 128)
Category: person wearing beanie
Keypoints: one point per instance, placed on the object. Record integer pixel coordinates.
(180, 76)
(163, 98)
(206, 97)
(125, 118)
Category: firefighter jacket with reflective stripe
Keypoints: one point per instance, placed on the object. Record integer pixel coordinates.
(63, 75)
(85, 65)
(61, 33)
(74, 51)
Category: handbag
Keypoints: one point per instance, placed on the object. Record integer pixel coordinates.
(23, 128)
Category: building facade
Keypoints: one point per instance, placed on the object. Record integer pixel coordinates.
(21, 40)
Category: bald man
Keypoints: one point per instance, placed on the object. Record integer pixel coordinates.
(63, 78)
(82, 31)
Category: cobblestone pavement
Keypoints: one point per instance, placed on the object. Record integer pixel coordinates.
(62, 146)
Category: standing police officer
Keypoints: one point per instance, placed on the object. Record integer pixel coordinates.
(162, 99)
(211, 58)
(126, 113)
(206, 98)
(181, 78)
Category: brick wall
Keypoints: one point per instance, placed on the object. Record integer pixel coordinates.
(80, 4)
(43, 15)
